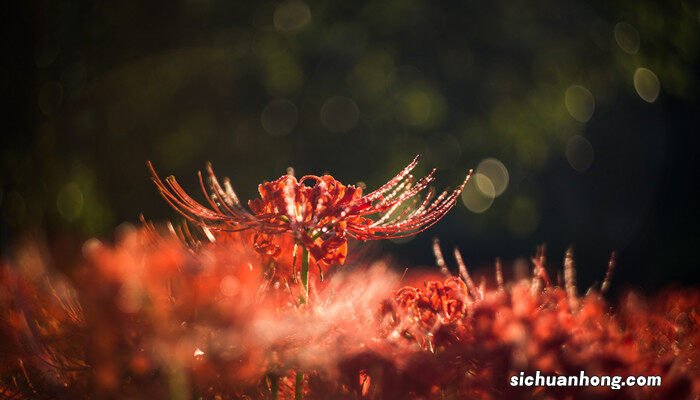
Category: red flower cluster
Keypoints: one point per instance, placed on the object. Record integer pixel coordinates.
(151, 319)
(321, 216)
(473, 339)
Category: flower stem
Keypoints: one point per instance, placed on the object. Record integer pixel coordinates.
(305, 275)
(299, 386)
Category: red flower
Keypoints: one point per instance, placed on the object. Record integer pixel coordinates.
(320, 216)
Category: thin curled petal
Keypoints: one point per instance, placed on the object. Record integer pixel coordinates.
(318, 211)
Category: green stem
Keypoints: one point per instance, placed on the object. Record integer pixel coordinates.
(299, 387)
(305, 275)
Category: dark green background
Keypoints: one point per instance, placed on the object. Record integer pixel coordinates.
(94, 89)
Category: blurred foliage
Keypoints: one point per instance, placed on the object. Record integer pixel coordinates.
(354, 88)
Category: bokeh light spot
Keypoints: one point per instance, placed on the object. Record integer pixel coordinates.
(413, 109)
(497, 175)
(579, 102)
(368, 79)
(647, 85)
(282, 73)
(419, 106)
(291, 16)
(479, 198)
(340, 114)
(402, 77)
(579, 153)
(70, 201)
(627, 37)
(279, 117)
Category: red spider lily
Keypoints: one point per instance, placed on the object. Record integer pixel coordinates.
(320, 216)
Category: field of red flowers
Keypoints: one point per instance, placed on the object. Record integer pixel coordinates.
(261, 304)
